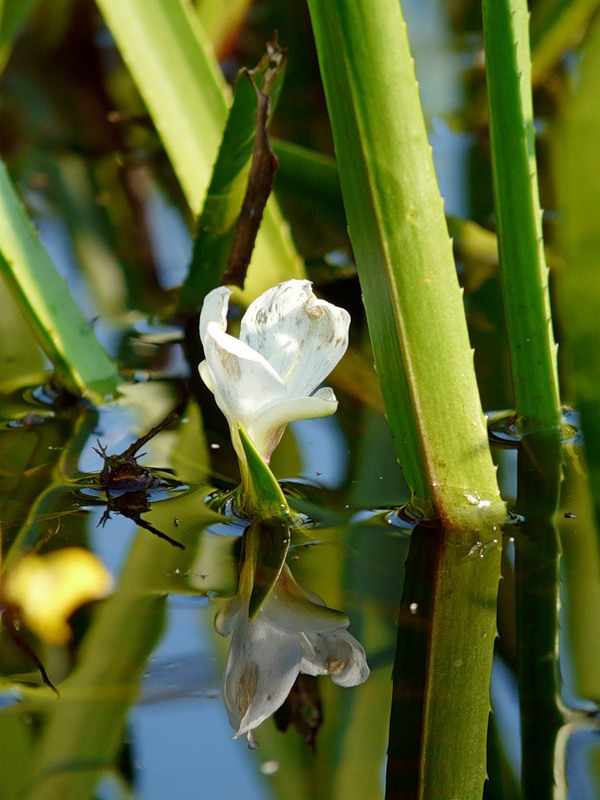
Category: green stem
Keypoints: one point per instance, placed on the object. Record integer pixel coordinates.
(579, 285)
(446, 633)
(179, 78)
(555, 26)
(523, 268)
(537, 575)
(404, 258)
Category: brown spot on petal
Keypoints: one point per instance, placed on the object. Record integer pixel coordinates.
(314, 311)
(333, 665)
(230, 363)
(246, 688)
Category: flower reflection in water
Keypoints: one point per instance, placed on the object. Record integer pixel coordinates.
(291, 631)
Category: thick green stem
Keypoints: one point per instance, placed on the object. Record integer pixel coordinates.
(404, 258)
(446, 633)
(537, 570)
(518, 217)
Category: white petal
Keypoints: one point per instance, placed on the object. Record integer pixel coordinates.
(262, 665)
(214, 309)
(226, 616)
(336, 654)
(290, 607)
(206, 375)
(243, 381)
(301, 337)
(267, 428)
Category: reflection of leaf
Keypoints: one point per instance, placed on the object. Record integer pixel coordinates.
(267, 544)
(47, 589)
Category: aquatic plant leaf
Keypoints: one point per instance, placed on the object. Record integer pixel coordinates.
(222, 22)
(65, 335)
(404, 257)
(424, 362)
(311, 177)
(218, 221)
(13, 14)
(263, 497)
(523, 270)
(556, 25)
(171, 61)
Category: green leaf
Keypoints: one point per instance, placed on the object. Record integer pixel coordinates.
(226, 192)
(263, 498)
(555, 26)
(311, 178)
(177, 74)
(13, 14)
(404, 258)
(523, 270)
(579, 285)
(538, 600)
(65, 335)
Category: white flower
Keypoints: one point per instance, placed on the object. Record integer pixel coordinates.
(293, 632)
(289, 342)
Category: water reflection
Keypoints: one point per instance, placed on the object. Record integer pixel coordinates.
(278, 630)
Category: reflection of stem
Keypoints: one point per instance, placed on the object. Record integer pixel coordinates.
(82, 732)
(10, 622)
(537, 609)
(446, 633)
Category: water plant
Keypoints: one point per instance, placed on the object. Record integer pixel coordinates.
(289, 342)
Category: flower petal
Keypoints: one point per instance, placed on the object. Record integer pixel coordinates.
(214, 309)
(206, 375)
(242, 380)
(301, 337)
(267, 428)
(262, 665)
(337, 654)
(226, 616)
(292, 608)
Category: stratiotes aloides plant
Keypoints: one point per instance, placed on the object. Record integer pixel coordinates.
(289, 342)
